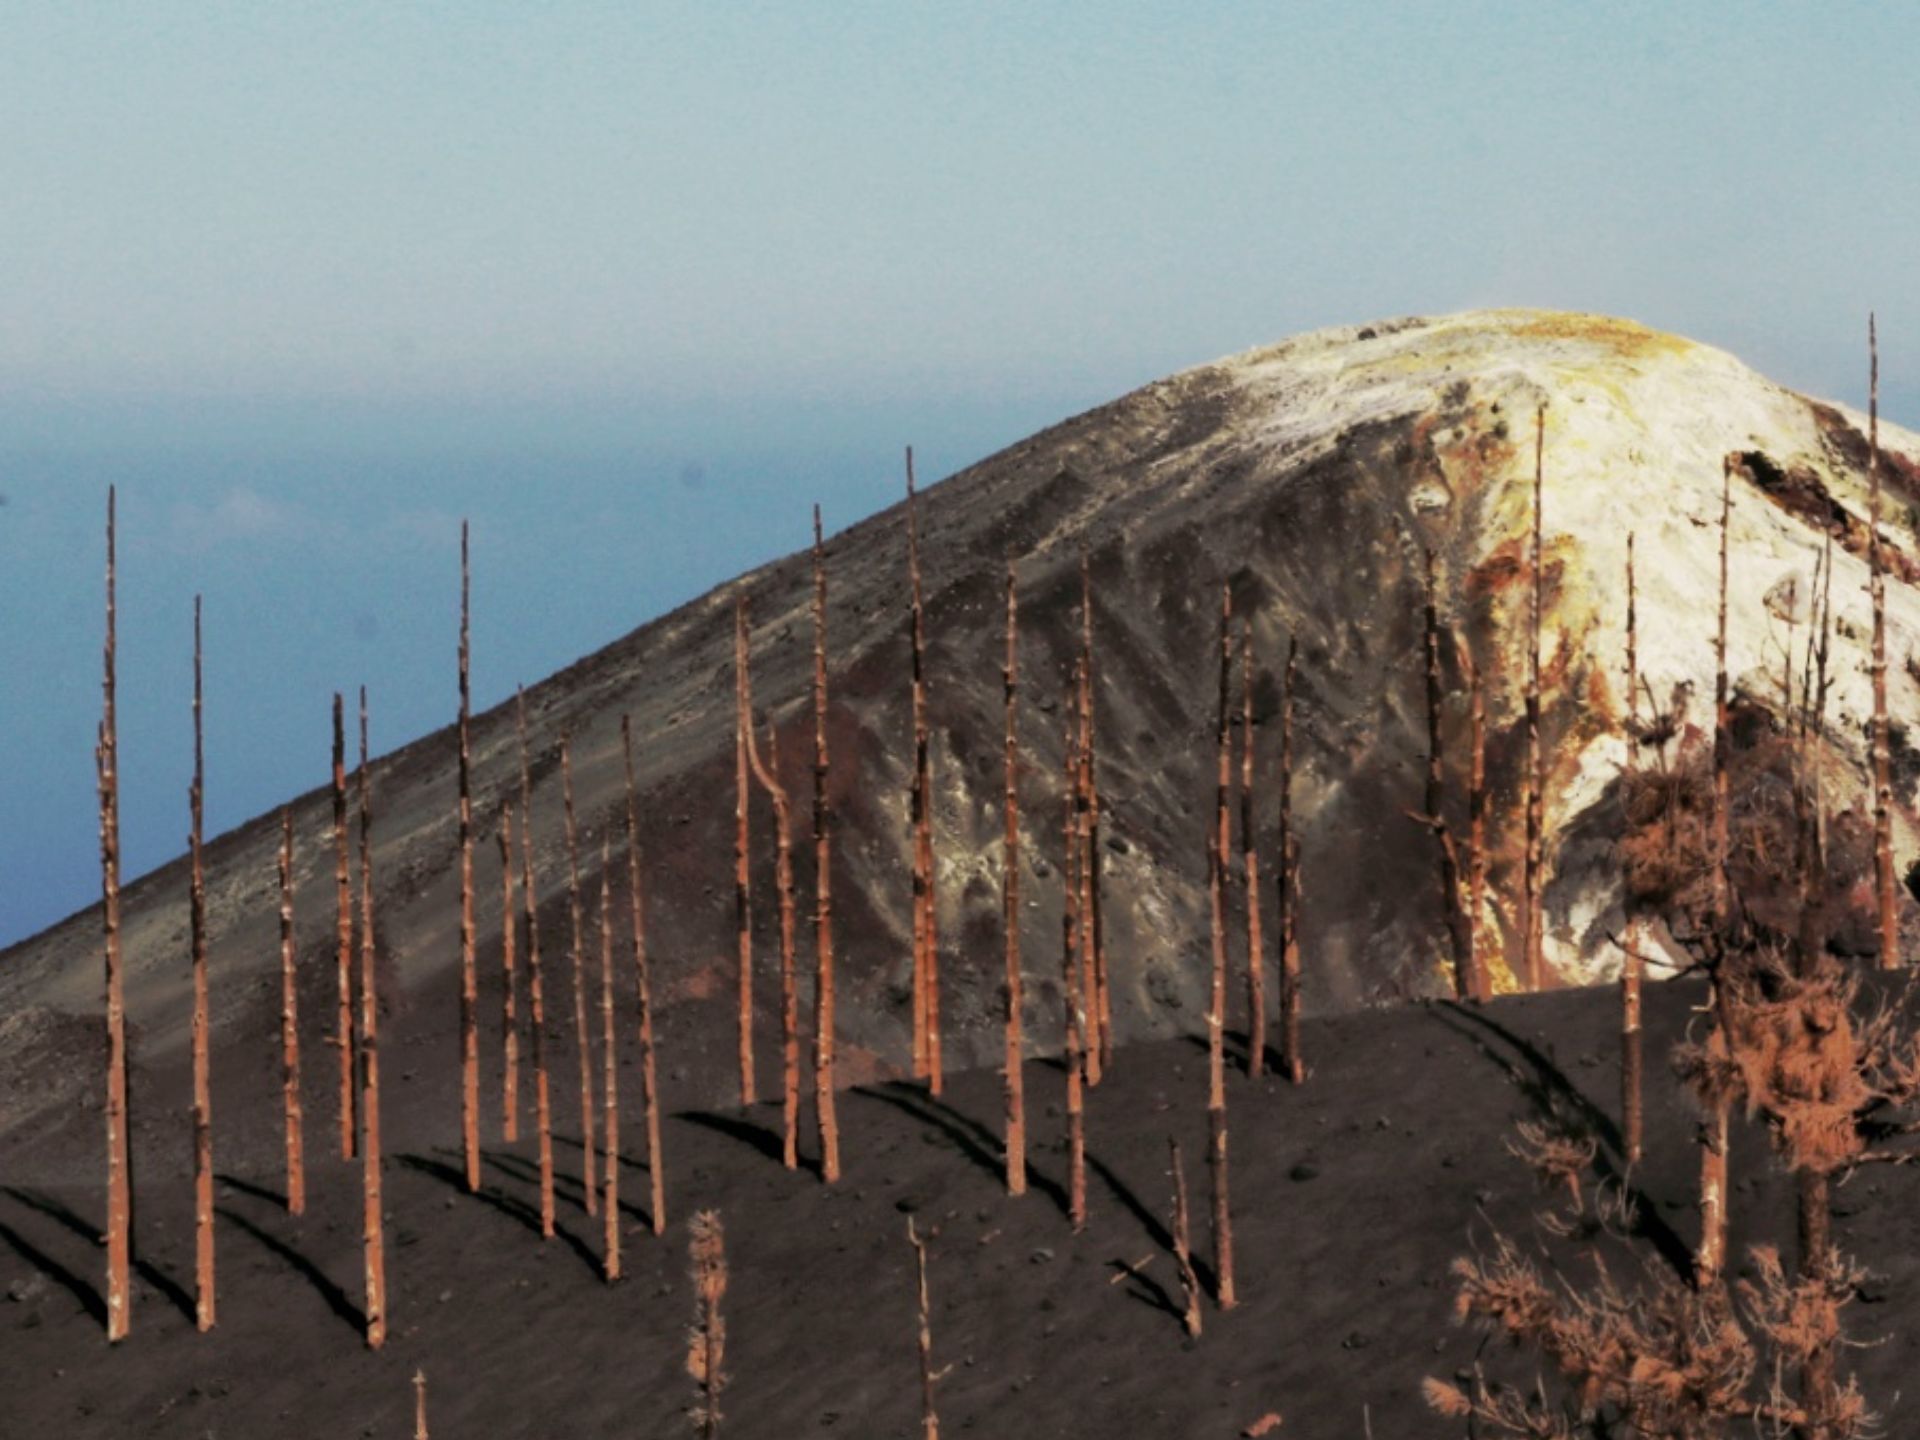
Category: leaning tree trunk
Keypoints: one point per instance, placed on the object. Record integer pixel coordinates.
(1291, 1059)
(1535, 972)
(1016, 1119)
(609, 1073)
(1883, 879)
(469, 979)
(1250, 865)
(823, 1082)
(343, 901)
(1217, 1003)
(1182, 1243)
(119, 1237)
(373, 1235)
(742, 884)
(202, 1025)
(536, 987)
(576, 951)
(649, 1075)
(290, 1029)
(767, 772)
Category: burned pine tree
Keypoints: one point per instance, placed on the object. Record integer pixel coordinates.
(609, 1073)
(290, 1029)
(1291, 1059)
(1452, 901)
(509, 1021)
(373, 1235)
(1477, 798)
(1715, 1132)
(1886, 913)
(202, 1025)
(1096, 924)
(767, 772)
(1534, 973)
(536, 986)
(344, 952)
(926, 943)
(1073, 991)
(707, 1337)
(823, 1022)
(643, 978)
(1219, 843)
(469, 978)
(119, 1236)
(1083, 897)
(576, 952)
(1632, 1119)
(1182, 1241)
(1250, 869)
(1016, 1103)
(742, 884)
(929, 1419)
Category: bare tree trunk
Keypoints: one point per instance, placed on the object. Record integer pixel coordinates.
(1632, 1121)
(509, 1021)
(576, 951)
(742, 884)
(767, 773)
(420, 1405)
(290, 1029)
(202, 1027)
(1883, 877)
(1073, 992)
(1459, 926)
(649, 1075)
(372, 1231)
(1096, 924)
(609, 1072)
(343, 889)
(1710, 1260)
(707, 1341)
(469, 979)
(1250, 864)
(119, 1158)
(1217, 1003)
(1182, 1243)
(823, 1023)
(536, 990)
(1016, 1121)
(1083, 821)
(1291, 1059)
(929, 1421)
(925, 929)
(1535, 775)
(1477, 829)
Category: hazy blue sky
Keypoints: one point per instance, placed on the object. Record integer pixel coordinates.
(632, 284)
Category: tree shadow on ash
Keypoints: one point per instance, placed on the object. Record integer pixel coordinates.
(258, 1192)
(497, 1199)
(1147, 1290)
(86, 1294)
(1156, 1228)
(972, 1139)
(1559, 1100)
(770, 1143)
(145, 1269)
(1237, 1047)
(529, 1171)
(337, 1299)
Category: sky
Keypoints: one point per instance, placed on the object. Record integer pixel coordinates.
(630, 286)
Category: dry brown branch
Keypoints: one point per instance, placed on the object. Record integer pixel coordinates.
(707, 1337)
(823, 1021)
(1182, 1243)
(373, 1234)
(469, 977)
(536, 979)
(576, 952)
(204, 1308)
(1016, 1108)
(649, 1072)
(119, 1173)
(290, 1029)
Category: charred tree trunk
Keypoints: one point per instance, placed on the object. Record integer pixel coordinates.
(1016, 1118)
(1096, 924)
(576, 951)
(509, 1021)
(1089, 985)
(202, 1026)
(767, 772)
(823, 1022)
(1710, 1261)
(420, 1405)
(649, 1074)
(343, 890)
(469, 978)
(1883, 877)
(1182, 1242)
(609, 1072)
(929, 1420)
(1477, 829)
(1073, 991)
(373, 1234)
(742, 884)
(1459, 926)
(1535, 782)
(1217, 1003)
(290, 1029)
(119, 1237)
(1291, 1059)
(536, 980)
(926, 943)
(1632, 1121)
(707, 1340)
(1250, 866)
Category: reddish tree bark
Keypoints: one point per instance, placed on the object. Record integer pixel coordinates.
(1016, 1119)
(1535, 781)
(1083, 820)
(649, 1076)
(1883, 876)
(1182, 1242)
(1074, 992)
(576, 952)
(1459, 927)
(536, 988)
(469, 978)
(290, 1029)
(929, 1420)
(768, 774)
(119, 1236)
(509, 1021)
(1710, 1259)
(344, 952)
(1477, 828)
(1217, 1001)
(1291, 1059)
(707, 1339)
(204, 1308)
(420, 1405)
(926, 940)
(609, 1072)
(823, 1084)
(1250, 866)
(1632, 1120)
(372, 1230)
(1096, 923)
(742, 884)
